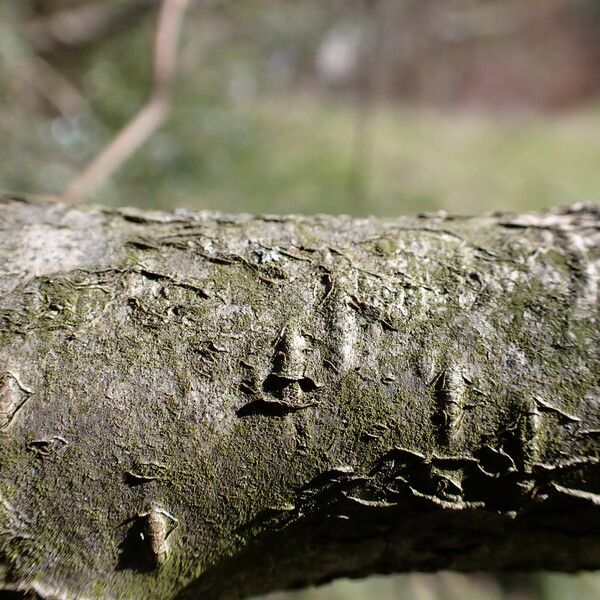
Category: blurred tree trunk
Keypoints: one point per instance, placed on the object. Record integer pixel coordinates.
(197, 405)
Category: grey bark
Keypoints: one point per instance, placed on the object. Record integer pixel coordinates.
(196, 405)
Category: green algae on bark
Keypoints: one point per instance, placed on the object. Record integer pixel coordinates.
(205, 405)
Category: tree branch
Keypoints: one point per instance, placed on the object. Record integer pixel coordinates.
(150, 117)
(199, 405)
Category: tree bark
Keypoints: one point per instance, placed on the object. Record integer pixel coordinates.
(197, 405)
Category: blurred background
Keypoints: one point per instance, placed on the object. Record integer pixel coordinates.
(367, 107)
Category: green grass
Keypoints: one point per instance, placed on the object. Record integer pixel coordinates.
(296, 154)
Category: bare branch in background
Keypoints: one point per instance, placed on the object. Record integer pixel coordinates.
(367, 90)
(150, 117)
(50, 83)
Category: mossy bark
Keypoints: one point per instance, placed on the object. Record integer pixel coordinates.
(197, 405)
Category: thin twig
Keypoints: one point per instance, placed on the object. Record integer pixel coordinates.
(149, 118)
(49, 83)
(368, 76)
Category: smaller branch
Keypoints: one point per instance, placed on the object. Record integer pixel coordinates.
(39, 75)
(367, 83)
(149, 118)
